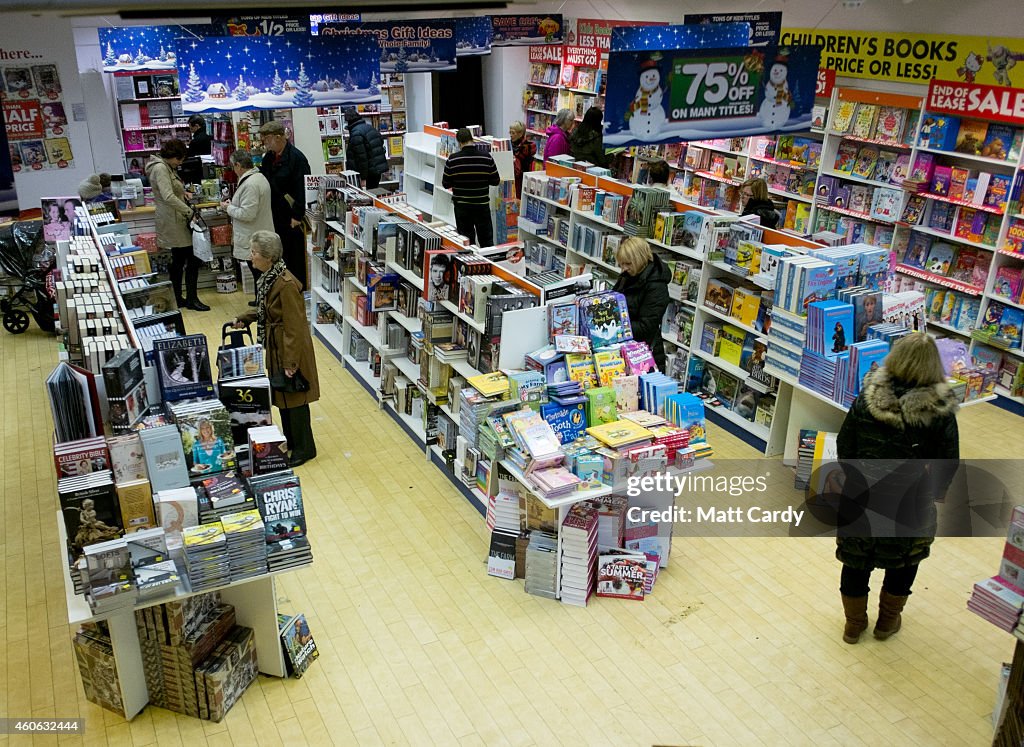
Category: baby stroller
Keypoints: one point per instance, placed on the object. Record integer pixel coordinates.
(22, 257)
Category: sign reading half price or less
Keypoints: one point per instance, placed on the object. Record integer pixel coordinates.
(976, 100)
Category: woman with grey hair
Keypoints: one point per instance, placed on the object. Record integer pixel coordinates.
(249, 208)
(558, 134)
(282, 329)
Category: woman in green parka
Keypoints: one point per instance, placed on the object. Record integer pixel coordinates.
(900, 437)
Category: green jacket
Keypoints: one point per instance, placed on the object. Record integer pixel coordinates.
(588, 145)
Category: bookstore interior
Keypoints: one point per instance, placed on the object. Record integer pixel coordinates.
(635, 394)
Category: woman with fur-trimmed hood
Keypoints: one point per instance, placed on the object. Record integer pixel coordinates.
(899, 448)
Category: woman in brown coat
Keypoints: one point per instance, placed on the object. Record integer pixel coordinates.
(282, 329)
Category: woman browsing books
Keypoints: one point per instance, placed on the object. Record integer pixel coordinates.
(644, 283)
(755, 200)
(282, 329)
(901, 439)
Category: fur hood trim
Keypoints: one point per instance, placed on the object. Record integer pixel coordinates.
(918, 408)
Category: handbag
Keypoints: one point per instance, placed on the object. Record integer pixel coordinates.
(202, 245)
(282, 382)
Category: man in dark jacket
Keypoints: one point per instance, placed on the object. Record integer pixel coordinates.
(286, 169)
(470, 174)
(365, 152)
(644, 283)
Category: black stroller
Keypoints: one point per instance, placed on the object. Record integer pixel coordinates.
(24, 258)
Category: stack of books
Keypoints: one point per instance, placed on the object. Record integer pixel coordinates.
(542, 565)
(579, 553)
(155, 573)
(620, 434)
(611, 521)
(503, 512)
(111, 581)
(268, 450)
(279, 498)
(244, 534)
(221, 495)
(553, 482)
(997, 602)
(205, 558)
(449, 352)
(672, 437)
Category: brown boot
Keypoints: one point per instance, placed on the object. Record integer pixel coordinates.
(856, 609)
(889, 619)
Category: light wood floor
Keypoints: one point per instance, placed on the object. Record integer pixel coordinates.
(739, 645)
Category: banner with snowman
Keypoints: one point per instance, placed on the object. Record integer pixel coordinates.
(237, 73)
(672, 95)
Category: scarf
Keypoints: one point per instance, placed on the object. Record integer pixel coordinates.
(263, 286)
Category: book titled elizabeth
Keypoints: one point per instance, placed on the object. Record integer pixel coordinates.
(184, 367)
(299, 647)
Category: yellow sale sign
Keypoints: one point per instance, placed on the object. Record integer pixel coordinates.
(915, 58)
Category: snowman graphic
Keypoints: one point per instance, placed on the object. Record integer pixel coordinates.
(645, 116)
(778, 101)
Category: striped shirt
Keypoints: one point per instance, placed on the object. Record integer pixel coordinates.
(469, 174)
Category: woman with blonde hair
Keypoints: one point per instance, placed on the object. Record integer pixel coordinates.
(756, 200)
(899, 447)
(558, 134)
(644, 283)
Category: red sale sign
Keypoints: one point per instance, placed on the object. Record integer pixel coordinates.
(996, 103)
(825, 83)
(590, 39)
(546, 53)
(23, 119)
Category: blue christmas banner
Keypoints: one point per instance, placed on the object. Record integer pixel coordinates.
(232, 73)
(518, 31)
(139, 49)
(693, 36)
(764, 27)
(673, 95)
(473, 35)
(414, 46)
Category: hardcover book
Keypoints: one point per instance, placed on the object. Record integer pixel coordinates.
(183, 364)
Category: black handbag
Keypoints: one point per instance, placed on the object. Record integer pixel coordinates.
(282, 382)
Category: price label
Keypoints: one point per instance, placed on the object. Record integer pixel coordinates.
(712, 88)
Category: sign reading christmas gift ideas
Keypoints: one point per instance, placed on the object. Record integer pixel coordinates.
(525, 30)
(674, 95)
(976, 100)
(232, 73)
(405, 46)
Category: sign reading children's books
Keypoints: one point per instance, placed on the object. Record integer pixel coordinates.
(704, 87)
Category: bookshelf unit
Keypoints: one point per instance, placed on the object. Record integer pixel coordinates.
(425, 156)
(540, 100)
(388, 118)
(148, 114)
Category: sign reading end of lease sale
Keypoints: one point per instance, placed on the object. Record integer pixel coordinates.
(668, 96)
(996, 103)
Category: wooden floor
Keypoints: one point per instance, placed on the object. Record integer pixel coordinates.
(739, 645)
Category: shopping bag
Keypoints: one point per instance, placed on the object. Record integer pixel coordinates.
(202, 245)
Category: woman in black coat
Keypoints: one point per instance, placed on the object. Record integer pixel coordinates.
(756, 200)
(586, 143)
(644, 283)
(900, 437)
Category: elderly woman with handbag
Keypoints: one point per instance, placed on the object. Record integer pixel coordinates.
(282, 329)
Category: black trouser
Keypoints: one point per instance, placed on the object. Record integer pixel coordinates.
(293, 240)
(298, 431)
(184, 262)
(854, 582)
(474, 222)
(372, 180)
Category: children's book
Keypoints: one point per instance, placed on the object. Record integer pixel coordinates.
(864, 121)
(998, 141)
(604, 317)
(914, 210)
(843, 117)
(867, 157)
(846, 157)
(940, 258)
(900, 169)
(884, 165)
(971, 137)
(889, 127)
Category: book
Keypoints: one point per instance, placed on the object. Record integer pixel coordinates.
(999, 140)
(864, 165)
(889, 126)
(970, 138)
(864, 120)
(183, 365)
(843, 118)
(604, 317)
(621, 574)
(846, 157)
